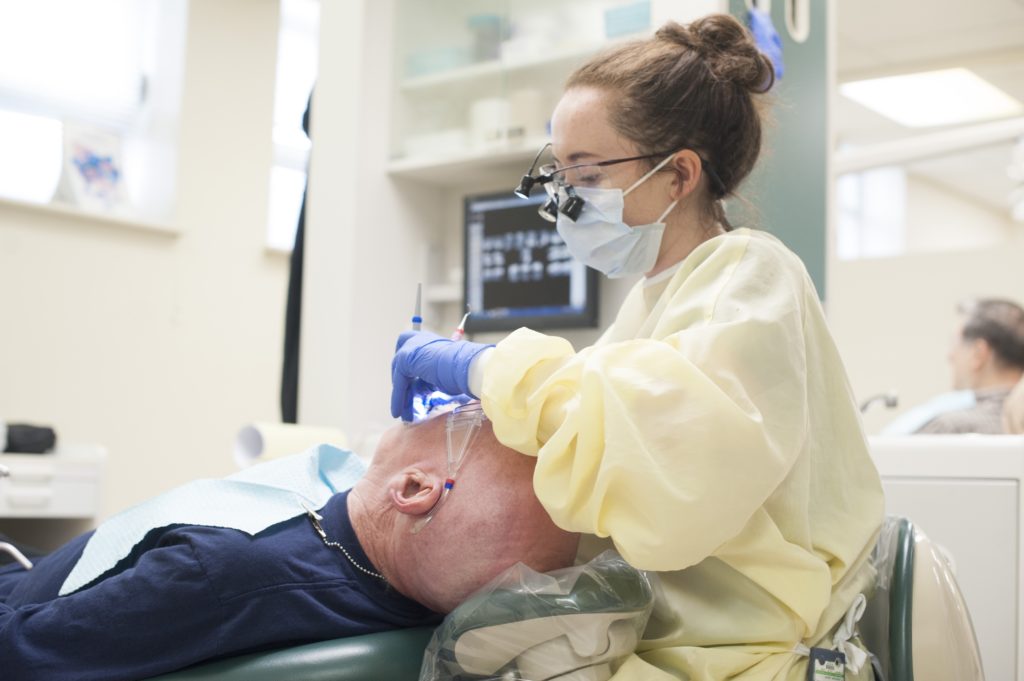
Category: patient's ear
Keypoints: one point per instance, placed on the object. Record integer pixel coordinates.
(414, 492)
(981, 353)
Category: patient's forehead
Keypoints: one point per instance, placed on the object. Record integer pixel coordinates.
(425, 441)
(407, 443)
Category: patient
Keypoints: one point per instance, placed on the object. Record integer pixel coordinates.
(987, 357)
(191, 593)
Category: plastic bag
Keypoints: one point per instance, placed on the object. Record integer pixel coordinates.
(573, 624)
(917, 574)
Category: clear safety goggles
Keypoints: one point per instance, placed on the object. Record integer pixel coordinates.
(461, 427)
(561, 183)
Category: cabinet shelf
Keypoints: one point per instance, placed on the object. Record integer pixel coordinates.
(468, 166)
(460, 77)
(442, 294)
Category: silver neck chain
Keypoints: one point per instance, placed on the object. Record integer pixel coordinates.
(315, 518)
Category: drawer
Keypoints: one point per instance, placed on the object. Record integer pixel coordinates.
(58, 499)
(65, 484)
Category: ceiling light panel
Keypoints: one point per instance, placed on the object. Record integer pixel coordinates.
(933, 98)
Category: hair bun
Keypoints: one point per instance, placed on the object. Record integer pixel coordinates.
(674, 32)
(728, 49)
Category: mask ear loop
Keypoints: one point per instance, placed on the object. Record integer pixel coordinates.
(668, 210)
(653, 170)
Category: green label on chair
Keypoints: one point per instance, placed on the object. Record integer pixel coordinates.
(826, 665)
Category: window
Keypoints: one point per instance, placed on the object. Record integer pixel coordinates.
(872, 213)
(297, 52)
(108, 66)
(962, 199)
(30, 163)
(61, 57)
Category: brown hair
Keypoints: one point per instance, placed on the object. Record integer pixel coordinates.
(695, 87)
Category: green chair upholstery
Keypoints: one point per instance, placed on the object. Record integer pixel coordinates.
(901, 606)
(392, 655)
(887, 625)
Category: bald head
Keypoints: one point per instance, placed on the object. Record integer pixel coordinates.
(490, 520)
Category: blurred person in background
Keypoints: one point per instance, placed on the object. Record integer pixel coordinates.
(987, 358)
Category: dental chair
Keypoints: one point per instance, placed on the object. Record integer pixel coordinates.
(916, 622)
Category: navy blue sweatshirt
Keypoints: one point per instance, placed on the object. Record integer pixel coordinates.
(188, 594)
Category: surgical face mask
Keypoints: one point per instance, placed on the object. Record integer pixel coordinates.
(600, 239)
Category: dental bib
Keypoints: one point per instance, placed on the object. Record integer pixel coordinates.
(914, 419)
(250, 500)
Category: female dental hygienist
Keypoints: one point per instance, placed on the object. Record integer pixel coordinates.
(710, 434)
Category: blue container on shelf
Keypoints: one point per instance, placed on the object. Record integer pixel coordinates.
(436, 60)
(633, 17)
(487, 34)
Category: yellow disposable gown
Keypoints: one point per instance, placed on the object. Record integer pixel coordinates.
(710, 435)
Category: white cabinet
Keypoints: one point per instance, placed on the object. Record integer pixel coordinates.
(62, 484)
(49, 498)
(964, 493)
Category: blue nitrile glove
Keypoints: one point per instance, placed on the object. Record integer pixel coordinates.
(440, 361)
(767, 38)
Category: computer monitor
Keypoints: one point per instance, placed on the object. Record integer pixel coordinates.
(518, 271)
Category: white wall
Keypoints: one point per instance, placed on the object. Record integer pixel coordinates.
(941, 219)
(365, 233)
(160, 347)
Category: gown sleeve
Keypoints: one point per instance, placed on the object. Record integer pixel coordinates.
(670, 441)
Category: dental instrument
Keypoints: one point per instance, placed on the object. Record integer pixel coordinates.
(427, 398)
(460, 330)
(12, 550)
(417, 320)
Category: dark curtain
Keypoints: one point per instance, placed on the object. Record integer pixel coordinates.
(293, 312)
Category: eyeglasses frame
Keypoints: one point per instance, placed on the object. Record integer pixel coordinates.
(573, 205)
